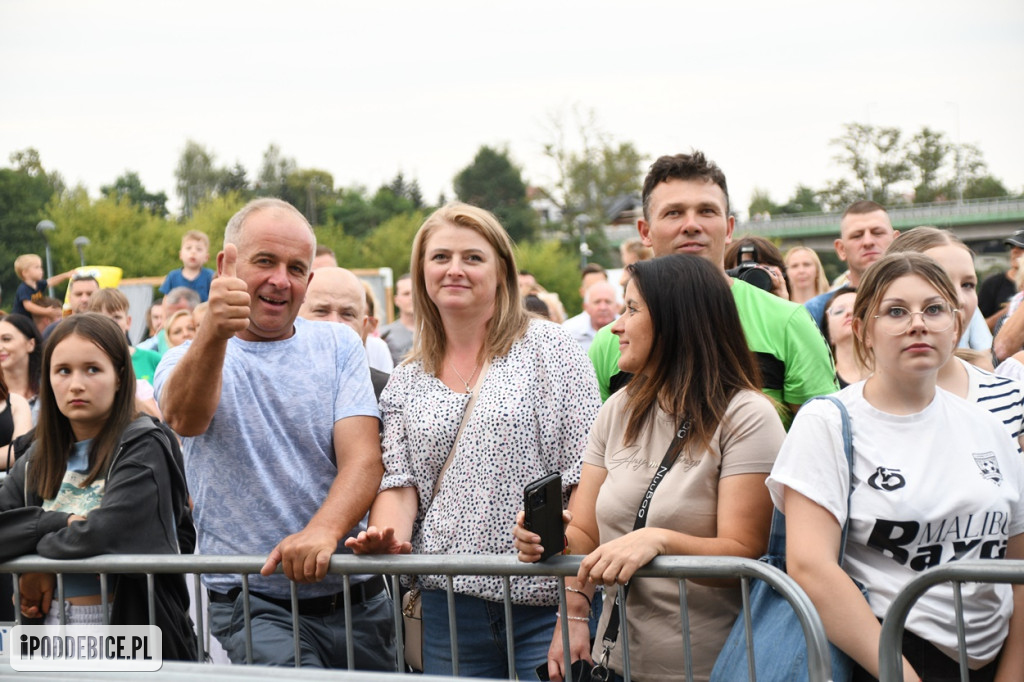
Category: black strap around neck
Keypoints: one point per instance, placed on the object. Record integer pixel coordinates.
(675, 448)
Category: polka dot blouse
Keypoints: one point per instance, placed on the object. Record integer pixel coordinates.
(531, 417)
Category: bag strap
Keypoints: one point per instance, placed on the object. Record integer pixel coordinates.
(458, 434)
(777, 541)
(611, 632)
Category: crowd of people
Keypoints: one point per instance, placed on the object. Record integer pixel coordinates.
(266, 414)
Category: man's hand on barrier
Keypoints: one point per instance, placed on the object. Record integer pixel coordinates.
(36, 593)
(304, 556)
(378, 541)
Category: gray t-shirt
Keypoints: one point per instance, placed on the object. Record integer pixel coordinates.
(399, 340)
(266, 463)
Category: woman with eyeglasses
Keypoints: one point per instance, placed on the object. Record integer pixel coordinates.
(934, 479)
(1001, 396)
(837, 326)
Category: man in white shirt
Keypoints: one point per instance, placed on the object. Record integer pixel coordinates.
(600, 306)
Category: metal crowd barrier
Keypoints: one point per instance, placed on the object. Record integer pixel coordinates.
(890, 642)
(680, 568)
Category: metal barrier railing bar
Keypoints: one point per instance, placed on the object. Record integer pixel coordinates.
(680, 568)
(890, 642)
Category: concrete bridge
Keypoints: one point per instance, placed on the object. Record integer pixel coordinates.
(981, 223)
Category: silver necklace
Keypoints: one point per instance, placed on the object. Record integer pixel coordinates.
(471, 376)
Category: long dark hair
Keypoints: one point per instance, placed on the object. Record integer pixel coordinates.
(54, 436)
(699, 355)
(4, 391)
(28, 329)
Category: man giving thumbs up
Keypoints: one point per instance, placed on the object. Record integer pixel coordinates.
(280, 437)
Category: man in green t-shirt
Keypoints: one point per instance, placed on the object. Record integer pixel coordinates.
(686, 210)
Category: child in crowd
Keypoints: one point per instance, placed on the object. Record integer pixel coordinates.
(195, 251)
(27, 299)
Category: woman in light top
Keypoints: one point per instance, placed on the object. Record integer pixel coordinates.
(1001, 396)
(923, 459)
(536, 400)
(712, 500)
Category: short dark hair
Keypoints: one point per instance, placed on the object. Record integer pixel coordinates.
(693, 166)
(863, 206)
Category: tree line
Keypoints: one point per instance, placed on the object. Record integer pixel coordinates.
(131, 227)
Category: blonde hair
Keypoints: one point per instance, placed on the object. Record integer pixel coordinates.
(169, 322)
(197, 236)
(820, 281)
(509, 321)
(22, 263)
(108, 301)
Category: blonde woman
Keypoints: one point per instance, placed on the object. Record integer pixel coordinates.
(536, 398)
(806, 276)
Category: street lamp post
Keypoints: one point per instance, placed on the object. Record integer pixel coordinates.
(582, 221)
(43, 227)
(80, 244)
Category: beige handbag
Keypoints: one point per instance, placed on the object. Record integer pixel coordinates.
(412, 605)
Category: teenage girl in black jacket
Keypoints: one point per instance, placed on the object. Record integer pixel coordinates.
(98, 479)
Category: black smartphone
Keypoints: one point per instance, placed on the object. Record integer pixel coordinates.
(542, 501)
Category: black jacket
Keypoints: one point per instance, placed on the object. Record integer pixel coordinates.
(144, 511)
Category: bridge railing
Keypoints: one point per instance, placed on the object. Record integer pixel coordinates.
(942, 213)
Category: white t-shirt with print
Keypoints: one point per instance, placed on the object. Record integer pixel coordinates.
(929, 487)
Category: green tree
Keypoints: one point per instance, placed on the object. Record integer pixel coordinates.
(354, 212)
(493, 182)
(128, 187)
(273, 172)
(761, 202)
(553, 263)
(926, 153)
(311, 191)
(196, 177)
(120, 233)
(875, 157)
(409, 190)
(24, 194)
(234, 179)
(804, 200)
(984, 187)
(590, 174)
(390, 244)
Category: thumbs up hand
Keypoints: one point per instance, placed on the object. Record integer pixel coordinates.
(229, 298)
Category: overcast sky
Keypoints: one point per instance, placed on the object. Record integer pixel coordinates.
(367, 89)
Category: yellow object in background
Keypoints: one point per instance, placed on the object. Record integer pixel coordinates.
(107, 275)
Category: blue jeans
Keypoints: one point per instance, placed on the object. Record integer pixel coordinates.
(321, 639)
(481, 632)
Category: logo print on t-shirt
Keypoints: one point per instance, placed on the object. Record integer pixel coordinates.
(887, 479)
(989, 466)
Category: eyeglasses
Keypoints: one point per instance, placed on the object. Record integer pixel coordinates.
(896, 320)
